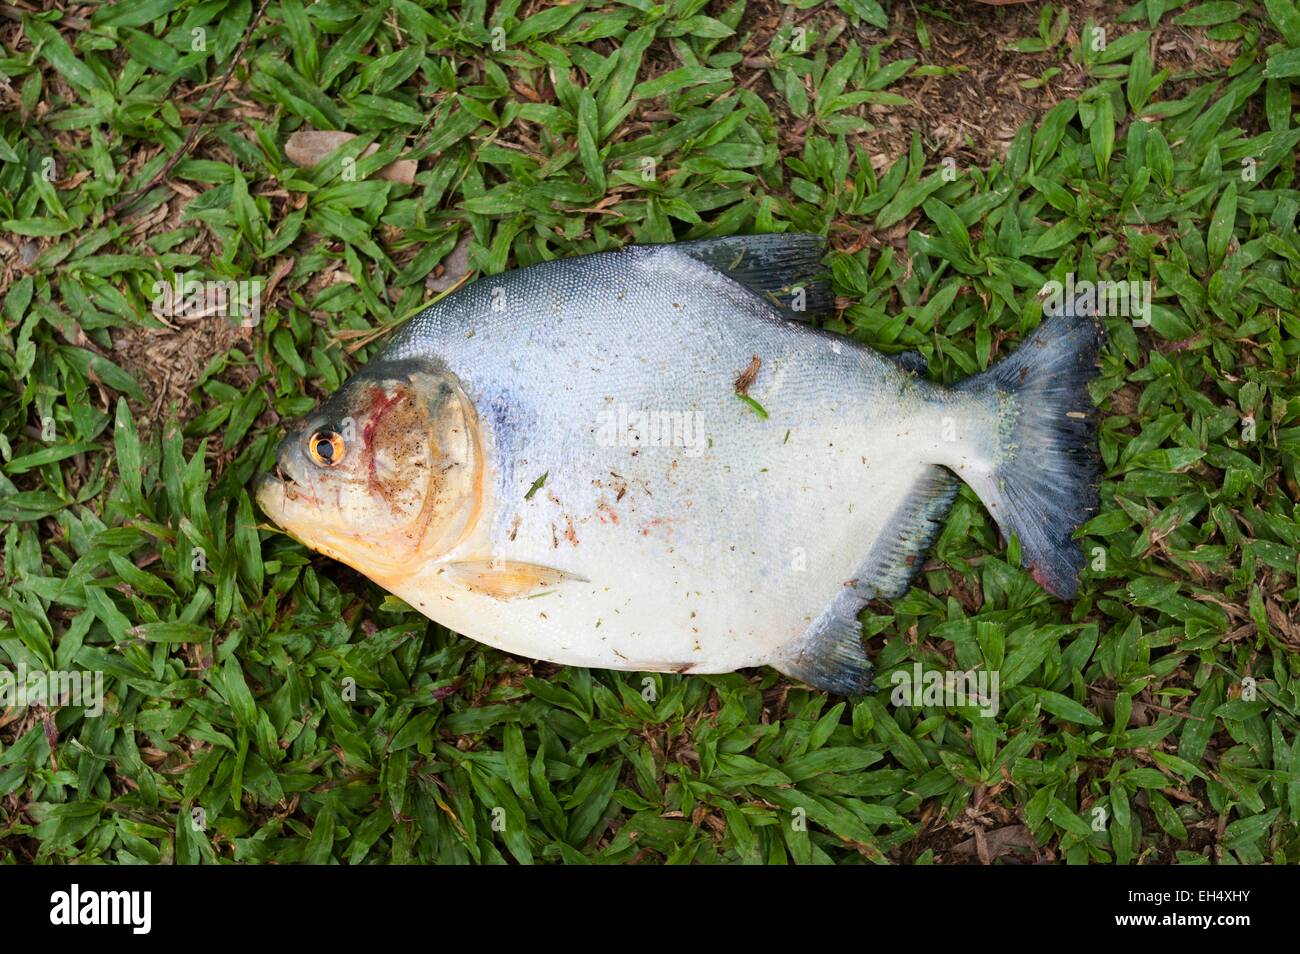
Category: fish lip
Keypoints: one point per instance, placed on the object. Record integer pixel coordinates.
(288, 469)
(284, 454)
(270, 493)
(276, 488)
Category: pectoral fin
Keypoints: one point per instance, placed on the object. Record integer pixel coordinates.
(505, 579)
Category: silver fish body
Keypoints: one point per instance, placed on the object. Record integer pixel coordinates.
(673, 475)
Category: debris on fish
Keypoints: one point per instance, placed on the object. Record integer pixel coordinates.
(561, 462)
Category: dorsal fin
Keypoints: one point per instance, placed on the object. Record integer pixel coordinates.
(784, 269)
(912, 361)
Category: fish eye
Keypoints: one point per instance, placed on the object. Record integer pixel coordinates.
(326, 448)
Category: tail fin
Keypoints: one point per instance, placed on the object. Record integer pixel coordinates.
(1043, 483)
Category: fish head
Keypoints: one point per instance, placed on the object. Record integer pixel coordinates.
(385, 475)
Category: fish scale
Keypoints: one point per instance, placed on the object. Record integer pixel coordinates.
(731, 538)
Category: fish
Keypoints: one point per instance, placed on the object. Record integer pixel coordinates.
(654, 459)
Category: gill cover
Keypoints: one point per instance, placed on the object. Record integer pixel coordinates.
(385, 475)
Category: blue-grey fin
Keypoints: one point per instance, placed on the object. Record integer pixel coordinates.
(784, 269)
(830, 655)
(912, 361)
(1045, 485)
(898, 553)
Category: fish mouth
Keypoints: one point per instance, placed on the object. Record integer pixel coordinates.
(292, 489)
(271, 492)
(275, 490)
(285, 480)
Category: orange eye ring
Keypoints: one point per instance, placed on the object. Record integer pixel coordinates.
(326, 448)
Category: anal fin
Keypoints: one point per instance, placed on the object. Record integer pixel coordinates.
(896, 557)
(831, 655)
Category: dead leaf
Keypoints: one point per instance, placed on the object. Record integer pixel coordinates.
(746, 378)
(453, 269)
(307, 147)
(988, 846)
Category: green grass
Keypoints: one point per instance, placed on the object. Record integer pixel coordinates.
(312, 719)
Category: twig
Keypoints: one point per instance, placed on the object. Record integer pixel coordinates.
(193, 135)
(366, 335)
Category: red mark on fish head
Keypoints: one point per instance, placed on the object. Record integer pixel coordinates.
(380, 404)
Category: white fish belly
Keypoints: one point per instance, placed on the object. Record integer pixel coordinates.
(699, 563)
(694, 593)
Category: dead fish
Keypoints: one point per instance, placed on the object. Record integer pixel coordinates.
(559, 462)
